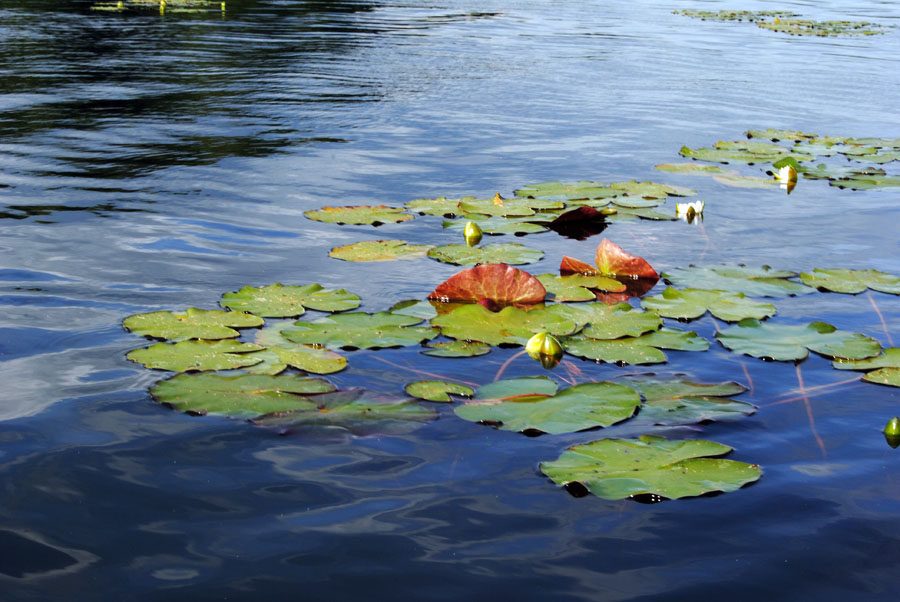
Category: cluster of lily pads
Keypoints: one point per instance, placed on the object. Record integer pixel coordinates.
(179, 6)
(788, 22)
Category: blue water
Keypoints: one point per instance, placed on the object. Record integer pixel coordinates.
(155, 161)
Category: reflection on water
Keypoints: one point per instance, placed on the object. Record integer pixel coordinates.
(154, 162)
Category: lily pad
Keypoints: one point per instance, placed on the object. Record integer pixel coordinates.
(500, 207)
(577, 287)
(437, 390)
(496, 225)
(187, 356)
(575, 408)
(735, 15)
(456, 349)
(359, 330)
(379, 250)
(508, 253)
(441, 206)
(524, 388)
(753, 282)
(359, 214)
(246, 395)
(570, 265)
(676, 400)
(890, 358)
(192, 324)
(281, 353)
(807, 27)
(736, 181)
(494, 282)
(354, 410)
(584, 189)
(851, 281)
(280, 301)
(694, 169)
(510, 325)
(610, 321)
(866, 182)
(776, 135)
(884, 376)
(743, 153)
(786, 342)
(644, 349)
(649, 190)
(615, 469)
(690, 303)
(625, 214)
(612, 260)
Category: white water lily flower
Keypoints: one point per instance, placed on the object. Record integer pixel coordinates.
(786, 174)
(690, 211)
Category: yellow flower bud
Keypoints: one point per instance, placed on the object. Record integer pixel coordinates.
(472, 234)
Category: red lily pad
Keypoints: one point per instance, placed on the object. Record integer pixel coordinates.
(611, 259)
(580, 223)
(493, 282)
(570, 265)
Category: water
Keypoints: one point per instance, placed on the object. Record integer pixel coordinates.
(155, 162)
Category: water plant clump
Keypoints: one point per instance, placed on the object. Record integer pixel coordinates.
(788, 22)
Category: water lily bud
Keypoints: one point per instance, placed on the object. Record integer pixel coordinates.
(545, 348)
(609, 211)
(472, 234)
(893, 427)
(786, 174)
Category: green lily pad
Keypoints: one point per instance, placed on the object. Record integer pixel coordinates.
(690, 303)
(615, 469)
(807, 27)
(775, 135)
(866, 182)
(610, 321)
(524, 388)
(246, 395)
(359, 214)
(437, 390)
(456, 349)
(187, 356)
(193, 324)
(675, 400)
(280, 301)
(510, 325)
(878, 158)
(786, 342)
(577, 287)
(851, 281)
(508, 253)
(753, 282)
(890, 358)
(500, 207)
(497, 225)
(884, 376)
(354, 410)
(359, 330)
(644, 349)
(627, 214)
(441, 206)
(694, 169)
(576, 408)
(418, 308)
(584, 189)
(735, 15)
(281, 353)
(742, 153)
(379, 250)
(745, 181)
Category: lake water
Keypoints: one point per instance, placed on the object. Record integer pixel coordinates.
(155, 161)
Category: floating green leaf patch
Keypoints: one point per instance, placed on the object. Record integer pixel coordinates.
(280, 301)
(507, 253)
(192, 324)
(619, 468)
(644, 349)
(576, 408)
(690, 303)
(851, 281)
(675, 400)
(246, 395)
(578, 287)
(807, 27)
(510, 325)
(281, 353)
(379, 250)
(360, 330)
(754, 282)
(437, 390)
(885, 368)
(197, 355)
(786, 342)
(359, 214)
(456, 349)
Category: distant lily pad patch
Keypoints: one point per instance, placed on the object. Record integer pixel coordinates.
(511, 325)
(359, 214)
(852, 281)
(506, 253)
(577, 287)
(379, 250)
(456, 349)
(735, 15)
(808, 27)
(246, 395)
(754, 282)
(360, 330)
(644, 349)
(677, 400)
(192, 324)
(688, 304)
(787, 342)
(437, 390)
(620, 468)
(281, 301)
(694, 169)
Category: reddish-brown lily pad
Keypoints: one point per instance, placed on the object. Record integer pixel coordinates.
(611, 259)
(570, 265)
(495, 282)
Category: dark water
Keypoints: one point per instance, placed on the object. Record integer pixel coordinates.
(154, 162)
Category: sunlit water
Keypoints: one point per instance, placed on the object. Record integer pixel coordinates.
(155, 162)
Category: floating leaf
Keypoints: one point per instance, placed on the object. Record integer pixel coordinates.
(196, 355)
(280, 301)
(612, 260)
(866, 182)
(583, 189)
(738, 152)
(776, 135)
(498, 283)
(644, 349)
(379, 250)
(359, 214)
(650, 190)
(735, 15)
(890, 358)
(424, 310)
(525, 388)
(510, 325)
(496, 225)
(281, 353)
(437, 390)
(675, 400)
(694, 169)
(570, 265)
(580, 223)
(509, 253)
(624, 214)
(353, 410)
(359, 330)
(851, 281)
(884, 376)
(456, 349)
(807, 27)
(610, 321)
(754, 282)
(193, 324)
(745, 181)
(786, 342)
(247, 395)
(577, 287)
(576, 408)
(501, 207)
(619, 468)
(439, 206)
(692, 303)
